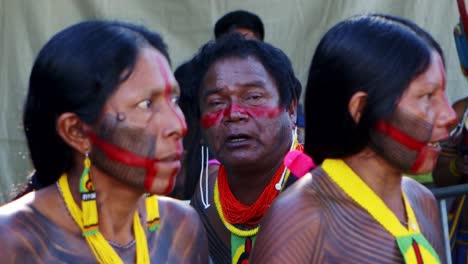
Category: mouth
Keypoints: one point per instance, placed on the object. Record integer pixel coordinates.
(171, 158)
(237, 138)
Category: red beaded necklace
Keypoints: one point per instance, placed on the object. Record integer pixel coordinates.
(239, 213)
(236, 212)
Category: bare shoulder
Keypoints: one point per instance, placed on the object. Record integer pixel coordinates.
(14, 228)
(427, 213)
(417, 192)
(293, 221)
(176, 209)
(182, 228)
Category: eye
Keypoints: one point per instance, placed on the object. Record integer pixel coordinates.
(145, 104)
(175, 100)
(254, 98)
(215, 102)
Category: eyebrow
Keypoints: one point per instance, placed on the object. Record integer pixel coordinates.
(434, 85)
(211, 91)
(260, 84)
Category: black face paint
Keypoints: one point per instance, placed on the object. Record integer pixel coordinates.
(401, 140)
(124, 152)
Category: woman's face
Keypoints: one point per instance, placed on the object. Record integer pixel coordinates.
(137, 140)
(410, 138)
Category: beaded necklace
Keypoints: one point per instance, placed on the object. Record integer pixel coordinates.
(242, 240)
(100, 247)
(412, 244)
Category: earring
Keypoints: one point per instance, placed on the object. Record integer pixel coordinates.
(88, 200)
(279, 184)
(204, 170)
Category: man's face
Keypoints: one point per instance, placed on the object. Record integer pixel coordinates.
(142, 124)
(241, 116)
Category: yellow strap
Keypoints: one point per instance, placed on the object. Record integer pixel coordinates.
(355, 188)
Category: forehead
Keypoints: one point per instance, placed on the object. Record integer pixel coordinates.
(151, 72)
(232, 71)
(433, 76)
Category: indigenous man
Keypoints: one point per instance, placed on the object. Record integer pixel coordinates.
(247, 108)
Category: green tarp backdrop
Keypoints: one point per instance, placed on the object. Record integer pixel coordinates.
(295, 26)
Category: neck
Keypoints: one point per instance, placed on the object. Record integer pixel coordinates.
(116, 204)
(248, 184)
(381, 177)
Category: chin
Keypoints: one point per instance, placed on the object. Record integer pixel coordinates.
(163, 185)
(430, 156)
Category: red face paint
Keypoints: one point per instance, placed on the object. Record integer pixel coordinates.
(419, 161)
(167, 95)
(170, 186)
(442, 73)
(121, 155)
(399, 136)
(212, 119)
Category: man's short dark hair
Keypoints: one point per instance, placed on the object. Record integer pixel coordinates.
(239, 19)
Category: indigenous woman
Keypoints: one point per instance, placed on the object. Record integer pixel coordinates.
(375, 109)
(104, 131)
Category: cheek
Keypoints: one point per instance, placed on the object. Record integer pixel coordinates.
(211, 119)
(213, 137)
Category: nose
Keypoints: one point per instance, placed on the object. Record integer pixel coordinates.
(235, 113)
(174, 125)
(447, 116)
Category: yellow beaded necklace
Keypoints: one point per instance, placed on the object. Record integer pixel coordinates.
(101, 249)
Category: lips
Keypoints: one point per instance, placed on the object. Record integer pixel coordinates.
(435, 144)
(171, 158)
(237, 140)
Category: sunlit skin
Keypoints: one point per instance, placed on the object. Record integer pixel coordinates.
(142, 110)
(314, 218)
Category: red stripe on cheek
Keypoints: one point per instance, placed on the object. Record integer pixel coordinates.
(170, 184)
(121, 155)
(442, 72)
(399, 136)
(210, 120)
(264, 111)
(150, 176)
(419, 161)
(167, 95)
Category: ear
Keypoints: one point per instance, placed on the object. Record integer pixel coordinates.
(356, 105)
(72, 130)
(292, 110)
